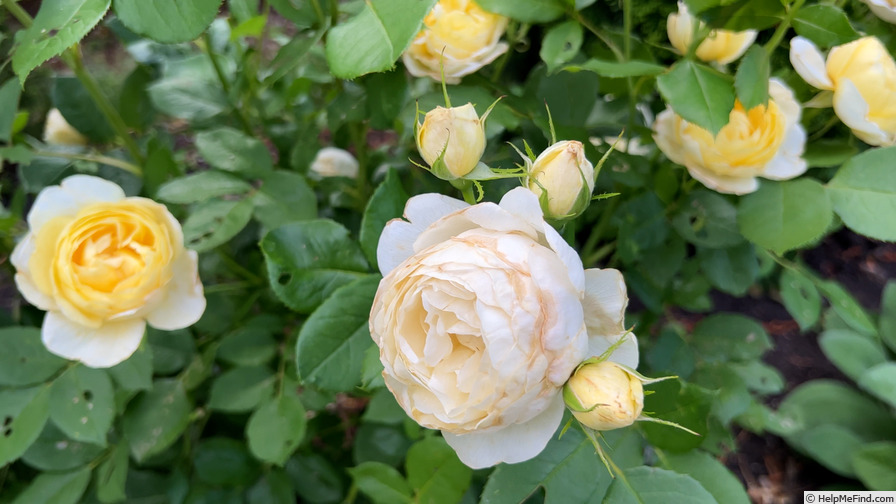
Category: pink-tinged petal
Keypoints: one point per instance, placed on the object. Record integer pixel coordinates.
(70, 196)
(102, 347)
(853, 110)
(808, 61)
(397, 240)
(184, 302)
(626, 353)
(605, 302)
(511, 444)
(727, 185)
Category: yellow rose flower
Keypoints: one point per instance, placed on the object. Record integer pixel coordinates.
(57, 131)
(103, 265)
(720, 46)
(862, 75)
(457, 134)
(604, 396)
(566, 175)
(482, 314)
(765, 141)
(884, 9)
(459, 36)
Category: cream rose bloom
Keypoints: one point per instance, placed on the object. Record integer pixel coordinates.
(765, 141)
(482, 314)
(862, 75)
(884, 9)
(103, 265)
(57, 131)
(334, 162)
(720, 46)
(459, 36)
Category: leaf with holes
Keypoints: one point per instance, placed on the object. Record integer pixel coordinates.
(82, 404)
(54, 451)
(215, 222)
(168, 21)
(156, 418)
(23, 413)
(59, 24)
(277, 427)
(309, 260)
(24, 359)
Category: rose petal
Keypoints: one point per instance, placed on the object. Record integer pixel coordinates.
(808, 61)
(605, 302)
(853, 110)
(510, 444)
(184, 302)
(68, 197)
(103, 347)
(625, 354)
(727, 185)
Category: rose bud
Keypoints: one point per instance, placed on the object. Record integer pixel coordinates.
(451, 140)
(604, 396)
(562, 179)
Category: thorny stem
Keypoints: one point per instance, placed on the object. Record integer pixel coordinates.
(18, 12)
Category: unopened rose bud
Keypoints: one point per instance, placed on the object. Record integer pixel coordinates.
(562, 179)
(451, 140)
(57, 131)
(334, 162)
(604, 396)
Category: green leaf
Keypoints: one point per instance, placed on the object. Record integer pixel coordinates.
(880, 381)
(201, 187)
(187, 97)
(9, 106)
(155, 419)
(708, 220)
(800, 297)
(832, 446)
(387, 203)
(241, 389)
(168, 21)
(284, 197)
(136, 372)
(785, 215)
(215, 222)
(846, 306)
(79, 109)
(651, 485)
(561, 43)
(134, 103)
(726, 337)
(315, 479)
(758, 376)
(23, 413)
(231, 150)
(224, 462)
(372, 40)
(568, 469)
(742, 15)
(307, 261)
(387, 94)
(251, 345)
(618, 69)
(171, 350)
(825, 153)
(331, 344)
(751, 79)
(56, 488)
(375, 442)
(685, 404)
(111, 475)
(698, 94)
(59, 24)
(851, 352)
(381, 483)
(24, 359)
(54, 451)
(863, 190)
(298, 11)
(732, 270)
(825, 25)
(435, 473)
(82, 404)
(888, 315)
(526, 11)
(875, 465)
(277, 427)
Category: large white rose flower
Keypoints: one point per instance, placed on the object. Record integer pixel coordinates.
(483, 313)
(862, 75)
(765, 141)
(103, 265)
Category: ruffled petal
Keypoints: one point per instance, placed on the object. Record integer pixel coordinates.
(68, 197)
(808, 61)
(511, 444)
(184, 302)
(102, 347)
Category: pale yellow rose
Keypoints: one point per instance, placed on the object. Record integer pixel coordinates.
(720, 46)
(605, 396)
(334, 162)
(862, 76)
(482, 314)
(567, 177)
(103, 265)
(459, 36)
(57, 131)
(884, 9)
(765, 141)
(457, 135)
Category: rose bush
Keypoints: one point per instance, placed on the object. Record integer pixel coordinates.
(482, 314)
(458, 37)
(765, 141)
(103, 265)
